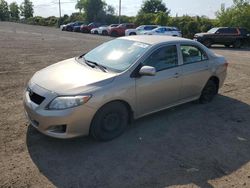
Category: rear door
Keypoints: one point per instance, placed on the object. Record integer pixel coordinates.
(227, 35)
(195, 70)
(154, 93)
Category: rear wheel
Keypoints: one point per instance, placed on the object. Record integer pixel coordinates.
(237, 44)
(227, 45)
(110, 121)
(208, 92)
(95, 32)
(114, 34)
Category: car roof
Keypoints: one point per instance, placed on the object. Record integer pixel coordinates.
(155, 39)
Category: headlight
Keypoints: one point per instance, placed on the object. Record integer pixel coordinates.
(65, 102)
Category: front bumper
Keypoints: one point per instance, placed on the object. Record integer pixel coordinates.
(77, 120)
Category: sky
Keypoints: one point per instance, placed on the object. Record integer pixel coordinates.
(208, 8)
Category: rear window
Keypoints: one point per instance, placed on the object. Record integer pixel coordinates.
(192, 54)
(147, 28)
(243, 31)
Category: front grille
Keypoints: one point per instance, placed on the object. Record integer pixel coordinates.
(34, 97)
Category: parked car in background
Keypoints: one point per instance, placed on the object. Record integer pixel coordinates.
(98, 30)
(98, 93)
(70, 26)
(87, 28)
(120, 30)
(62, 27)
(140, 30)
(228, 36)
(104, 30)
(170, 31)
(77, 28)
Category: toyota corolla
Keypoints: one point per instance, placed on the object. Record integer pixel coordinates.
(100, 92)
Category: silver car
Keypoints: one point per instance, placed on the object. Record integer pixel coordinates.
(98, 93)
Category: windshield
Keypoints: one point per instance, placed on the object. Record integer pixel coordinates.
(213, 30)
(157, 29)
(117, 54)
(140, 28)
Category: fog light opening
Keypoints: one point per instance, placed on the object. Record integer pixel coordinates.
(57, 128)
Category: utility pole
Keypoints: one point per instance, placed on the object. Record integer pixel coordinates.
(119, 11)
(59, 21)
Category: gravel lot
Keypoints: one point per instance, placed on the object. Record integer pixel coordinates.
(191, 145)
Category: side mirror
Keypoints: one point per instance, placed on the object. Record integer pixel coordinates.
(147, 71)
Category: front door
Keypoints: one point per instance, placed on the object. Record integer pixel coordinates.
(154, 93)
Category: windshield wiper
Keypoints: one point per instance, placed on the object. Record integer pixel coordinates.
(103, 68)
(93, 64)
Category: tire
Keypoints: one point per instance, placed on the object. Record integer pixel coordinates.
(209, 92)
(207, 43)
(105, 32)
(110, 121)
(96, 32)
(227, 45)
(237, 44)
(84, 31)
(133, 33)
(114, 34)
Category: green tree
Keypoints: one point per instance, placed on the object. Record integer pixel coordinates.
(80, 5)
(145, 18)
(161, 18)
(27, 9)
(238, 15)
(4, 10)
(110, 10)
(153, 6)
(153, 12)
(14, 11)
(92, 8)
(76, 16)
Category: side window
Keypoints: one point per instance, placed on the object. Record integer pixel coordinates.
(232, 31)
(148, 28)
(163, 58)
(192, 54)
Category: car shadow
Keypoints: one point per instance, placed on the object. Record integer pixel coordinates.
(191, 143)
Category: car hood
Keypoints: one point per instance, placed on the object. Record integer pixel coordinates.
(71, 77)
(202, 34)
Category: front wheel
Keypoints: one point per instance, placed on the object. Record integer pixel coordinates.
(207, 43)
(114, 34)
(110, 121)
(105, 32)
(208, 92)
(133, 33)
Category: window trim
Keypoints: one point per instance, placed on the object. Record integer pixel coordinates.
(199, 48)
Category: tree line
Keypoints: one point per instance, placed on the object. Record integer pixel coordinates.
(12, 12)
(151, 12)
